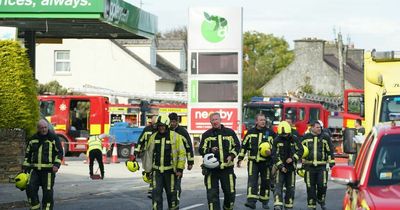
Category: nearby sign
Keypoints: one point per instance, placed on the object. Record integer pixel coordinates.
(215, 73)
(200, 118)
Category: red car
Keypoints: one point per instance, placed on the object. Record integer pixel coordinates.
(374, 181)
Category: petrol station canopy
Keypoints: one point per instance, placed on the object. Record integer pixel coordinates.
(100, 19)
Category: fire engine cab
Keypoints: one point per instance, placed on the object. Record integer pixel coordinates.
(75, 118)
(278, 109)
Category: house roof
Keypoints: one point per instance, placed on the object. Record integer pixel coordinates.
(171, 44)
(353, 73)
(163, 68)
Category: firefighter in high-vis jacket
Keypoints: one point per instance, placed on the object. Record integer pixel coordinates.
(142, 144)
(259, 162)
(174, 126)
(168, 158)
(320, 155)
(225, 146)
(94, 152)
(286, 151)
(42, 160)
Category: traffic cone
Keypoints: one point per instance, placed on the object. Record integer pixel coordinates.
(114, 158)
(63, 158)
(104, 152)
(132, 155)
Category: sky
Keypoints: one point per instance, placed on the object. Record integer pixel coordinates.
(368, 24)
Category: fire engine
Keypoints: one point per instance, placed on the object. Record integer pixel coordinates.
(303, 108)
(75, 118)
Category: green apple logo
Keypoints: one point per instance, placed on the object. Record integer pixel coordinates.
(214, 28)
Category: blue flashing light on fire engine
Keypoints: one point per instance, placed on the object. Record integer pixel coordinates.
(272, 99)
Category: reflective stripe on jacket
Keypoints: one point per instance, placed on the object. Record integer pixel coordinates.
(320, 149)
(169, 151)
(254, 137)
(43, 152)
(94, 142)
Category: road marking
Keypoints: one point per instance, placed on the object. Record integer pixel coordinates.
(193, 206)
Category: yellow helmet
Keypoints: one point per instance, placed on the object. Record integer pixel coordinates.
(132, 166)
(146, 177)
(163, 120)
(264, 148)
(21, 181)
(301, 172)
(305, 153)
(284, 128)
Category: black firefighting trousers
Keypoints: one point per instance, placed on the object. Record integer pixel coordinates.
(166, 181)
(288, 180)
(98, 155)
(45, 179)
(254, 190)
(228, 181)
(316, 179)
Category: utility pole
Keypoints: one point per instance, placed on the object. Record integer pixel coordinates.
(341, 69)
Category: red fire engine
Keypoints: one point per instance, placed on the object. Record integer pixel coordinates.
(75, 118)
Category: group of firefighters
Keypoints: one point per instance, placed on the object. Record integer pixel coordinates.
(165, 146)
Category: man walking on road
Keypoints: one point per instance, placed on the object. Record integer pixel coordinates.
(187, 142)
(42, 160)
(286, 151)
(94, 152)
(320, 149)
(142, 144)
(259, 165)
(168, 160)
(223, 143)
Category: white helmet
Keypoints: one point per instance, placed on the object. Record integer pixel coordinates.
(321, 123)
(209, 161)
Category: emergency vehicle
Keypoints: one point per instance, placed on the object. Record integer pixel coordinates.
(75, 118)
(373, 182)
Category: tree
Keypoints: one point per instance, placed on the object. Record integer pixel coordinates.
(52, 87)
(18, 100)
(175, 33)
(264, 56)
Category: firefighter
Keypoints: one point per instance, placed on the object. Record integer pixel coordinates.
(320, 154)
(358, 139)
(174, 126)
(293, 126)
(224, 144)
(94, 152)
(286, 151)
(168, 159)
(42, 160)
(259, 164)
(142, 143)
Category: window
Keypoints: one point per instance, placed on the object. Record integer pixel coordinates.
(62, 62)
(47, 108)
(302, 114)
(354, 103)
(314, 114)
(290, 113)
(390, 108)
(385, 169)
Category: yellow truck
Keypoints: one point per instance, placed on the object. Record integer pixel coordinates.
(381, 87)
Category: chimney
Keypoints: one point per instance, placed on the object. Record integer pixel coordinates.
(309, 48)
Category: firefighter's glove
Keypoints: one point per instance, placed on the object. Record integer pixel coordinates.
(284, 170)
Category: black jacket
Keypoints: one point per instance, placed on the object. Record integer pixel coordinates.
(43, 152)
(251, 142)
(320, 149)
(227, 142)
(187, 143)
(284, 148)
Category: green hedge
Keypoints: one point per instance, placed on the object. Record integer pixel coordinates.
(18, 94)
